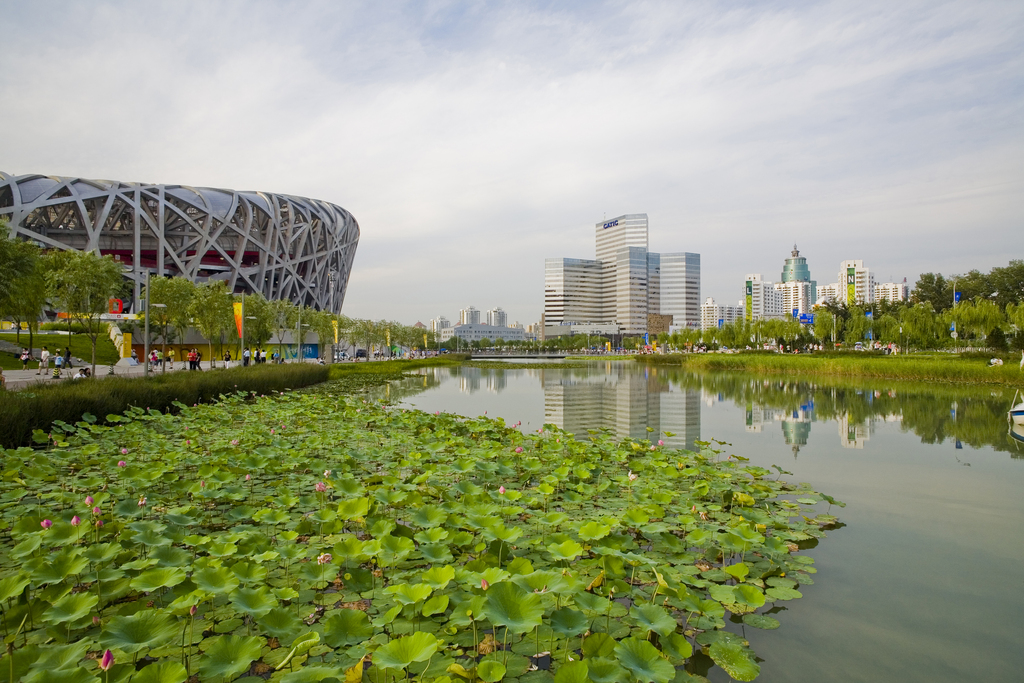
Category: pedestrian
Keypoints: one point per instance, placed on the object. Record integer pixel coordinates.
(199, 360)
(3, 381)
(67, 358)
(227, 358)
(58, 364)
(192, 359)
(170, 357)
(153, 360)
(24, 357)
(44, 362)
(246, 354)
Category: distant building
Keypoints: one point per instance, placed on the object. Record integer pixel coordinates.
(624, 285)
(713, 315)
(763, 301)
(891, 291)
(469, 316)
(475, 332)
(497, 317)
(827, 293)
(439, 323)
(854, 286)
(799, 291)
(420, 325)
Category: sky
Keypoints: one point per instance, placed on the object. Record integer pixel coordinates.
(472, 140)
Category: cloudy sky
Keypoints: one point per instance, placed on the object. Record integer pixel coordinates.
(472, 140)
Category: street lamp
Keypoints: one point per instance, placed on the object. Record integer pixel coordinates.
(145, 360)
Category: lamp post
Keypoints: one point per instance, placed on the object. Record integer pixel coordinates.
(145, 366)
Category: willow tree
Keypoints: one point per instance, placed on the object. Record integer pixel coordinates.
(211, 311)
(173, 294)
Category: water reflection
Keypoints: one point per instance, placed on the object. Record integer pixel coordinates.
(626, 399)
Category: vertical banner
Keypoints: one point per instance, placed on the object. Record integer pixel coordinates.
(334, 324)
(750, 300)
(238, 317)
(851, 286)
(424, 341)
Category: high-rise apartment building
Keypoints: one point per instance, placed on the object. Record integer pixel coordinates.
(763, 301)
(469, 316)
(439, 323)
(713, 315)
(854, 286)
(497, 317)
(625, 284)
(891, 291)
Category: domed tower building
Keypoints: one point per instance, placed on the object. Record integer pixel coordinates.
(799, 291)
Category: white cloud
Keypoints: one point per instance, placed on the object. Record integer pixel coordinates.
(473, 140)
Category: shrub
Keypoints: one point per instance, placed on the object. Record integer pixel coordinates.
(67, 401)
(76, 328)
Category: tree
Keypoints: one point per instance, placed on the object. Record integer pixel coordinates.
(260, 319)
(211, 311)
(284, 315)
(932, 288)
(322, 322)
(175, 293)
(80, 283)
(1008, 283)
(21, 295)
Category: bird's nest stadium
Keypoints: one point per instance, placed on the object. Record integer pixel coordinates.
(282, 246)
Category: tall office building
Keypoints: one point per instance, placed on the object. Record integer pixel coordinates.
(438, 324)
(625, 284)
(497, 317)
(799, 291)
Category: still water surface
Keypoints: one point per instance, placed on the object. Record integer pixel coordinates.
(925, 582)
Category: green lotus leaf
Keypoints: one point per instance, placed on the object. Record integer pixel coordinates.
(273, 517)
(154, 579)
(724, 594)
(749, 595)
(567, 550)
(554, 518)
(434, 535)
(654, 618)
(161, 672)
(12, 586)
(146, 629)
(77, 675)
(347, 627)
(249, 573)
(60, 566)
(394, 549)
(169, 556)
(781, 593)
(735, 660)
(677, 646)
(354, 508)
(644, 661)
(70, 608)
(409, 594)
(598, 645)
(573, 672)
(435, 605)
(217, 580)
(603, 670)
(491, 671)
(300, 645)
(228, 656)
(436, 553)
(150, 539)
(592, 603)
(510, 606)
(738, 570)
(762, 621)
(221, 549)
(592, 531)
(323, 516)
(401, 652)
(438, 577)
(55, 658)
(26, 547)
(636, 517)
(569, 622)
(429, 516)
(253, 601)
(314, 674)
(281, 623)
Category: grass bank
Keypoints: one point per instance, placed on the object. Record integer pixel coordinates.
(930, 368)
(81, 347)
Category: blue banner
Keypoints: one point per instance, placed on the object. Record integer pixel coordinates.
(956, 296)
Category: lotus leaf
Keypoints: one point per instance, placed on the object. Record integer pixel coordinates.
(58, 657)
(347, 627)
(644, 661)
(735, 660)
(281, 623)
(60, 566)
(567, 550)
(491, 671)
(654, 618)
(761, 621)
(510, 606)
(12, 586)
(403, 651)
(438, 577)
(603, 670)
(315, 674)
(409, 594)
(435, 605)
(781, 593)
(573, 672)
(154, 579)
(70, 608)
(161, 672)
(228, 656)
(146, 629)
(253, 601)
(569, 622)
(215, 580)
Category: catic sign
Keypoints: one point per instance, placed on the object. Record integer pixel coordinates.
(610, 224)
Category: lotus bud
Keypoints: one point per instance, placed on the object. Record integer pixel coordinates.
(320, 487)
(46, 524)
(192, 610)
(519, 449)
(653, 447)
(660, 442)
(88, 500)
(107, 660)
(124, 451)
(95, 620)
(202, 484)
(142, 502)
(501, 490)
(248, 477)
(122, 463)
(483, 584)
(323, 559)
(76, 520)
(96, 510)
(234, 442)
(99, 523)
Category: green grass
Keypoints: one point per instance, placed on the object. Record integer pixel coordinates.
(931, 367)
(394, 367)
(81, 347)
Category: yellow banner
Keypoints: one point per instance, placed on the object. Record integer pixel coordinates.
(334, 323)
(238, 317)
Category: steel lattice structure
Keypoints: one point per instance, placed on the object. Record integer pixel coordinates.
(283, 246)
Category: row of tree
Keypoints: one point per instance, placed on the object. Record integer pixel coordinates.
(1001, 285)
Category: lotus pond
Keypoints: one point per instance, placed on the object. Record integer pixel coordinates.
(313, 536)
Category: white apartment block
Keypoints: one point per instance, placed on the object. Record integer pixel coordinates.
(714, 315)
(469, 316)
(439, 323)
(497, 317)
(797, 296)
(763, 301)
(891, 291)
(857, 283)
(827, 293)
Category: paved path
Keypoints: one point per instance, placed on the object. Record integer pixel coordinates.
(19, 379)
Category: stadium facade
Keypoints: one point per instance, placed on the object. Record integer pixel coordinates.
(285, 247)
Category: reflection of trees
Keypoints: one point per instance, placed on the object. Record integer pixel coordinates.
(927, 410)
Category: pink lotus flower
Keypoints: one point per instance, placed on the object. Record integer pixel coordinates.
(188, 442)
(124, 451)
(271, 430)
(95, 620)
(107, 660)
(76, 520)
(234, 442)
(519, 449)
(142, 501)
(323, 559)
(653, 447)
(501, 490)
(99, 523)
(46, 524)
(88, 500)
(96, 510)
(122, 463)
(202, 484)
(192, 610)
(320, 487)
(660, 442)
(484, 584)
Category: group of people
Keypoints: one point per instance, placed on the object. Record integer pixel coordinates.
(61, 360)
(257, 357)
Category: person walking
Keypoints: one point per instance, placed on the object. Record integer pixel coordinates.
(170, 357)
(58, 364)
(24, 357)
(67, 358)
(3, 381)
(44, 362)
(227, 359)
(246, 355)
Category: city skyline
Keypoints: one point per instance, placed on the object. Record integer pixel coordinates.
(454, 132)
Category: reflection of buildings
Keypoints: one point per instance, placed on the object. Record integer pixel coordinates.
(853, 434)
(796, 424)
(496, 381)
(624, 402)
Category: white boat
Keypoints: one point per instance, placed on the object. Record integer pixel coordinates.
(1017, 433)
(1016, 414)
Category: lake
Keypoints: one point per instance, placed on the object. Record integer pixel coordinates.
(925, 580)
